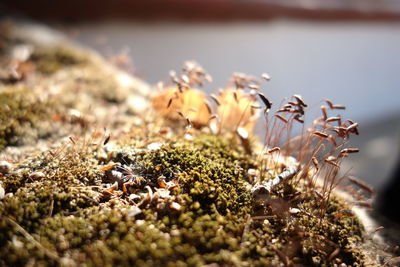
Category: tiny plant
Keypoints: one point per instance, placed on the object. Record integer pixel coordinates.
(317, 152)
(290, 170)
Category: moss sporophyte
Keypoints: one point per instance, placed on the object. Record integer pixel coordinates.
(188, 185)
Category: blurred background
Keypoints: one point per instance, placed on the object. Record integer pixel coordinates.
(344, 50)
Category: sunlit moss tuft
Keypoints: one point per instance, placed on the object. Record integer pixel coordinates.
(20, 114)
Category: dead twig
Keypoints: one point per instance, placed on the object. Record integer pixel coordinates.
(287, 174)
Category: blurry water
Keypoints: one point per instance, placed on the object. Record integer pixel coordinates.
(353, 63)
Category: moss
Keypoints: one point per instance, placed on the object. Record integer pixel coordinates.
(85, 72)
(337, 228)
(21, 112)
(212, 225)
(48, 60)
(187, 203)
(64, 187)
(209, 172)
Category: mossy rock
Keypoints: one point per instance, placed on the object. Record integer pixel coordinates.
(145, 194)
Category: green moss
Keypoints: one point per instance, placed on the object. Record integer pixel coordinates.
(20, 114)
(209, 172)
(187, 203)
(217, 221)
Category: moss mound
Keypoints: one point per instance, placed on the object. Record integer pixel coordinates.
(50, 60)
(21, 114)
(159, 192)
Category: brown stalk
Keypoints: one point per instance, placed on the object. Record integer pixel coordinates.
(361, 184)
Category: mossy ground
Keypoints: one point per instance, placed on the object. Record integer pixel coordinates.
(28, 110)
(21, 115)
(184, 203)
(216, 222)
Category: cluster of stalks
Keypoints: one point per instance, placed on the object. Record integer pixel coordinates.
(317, 151)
